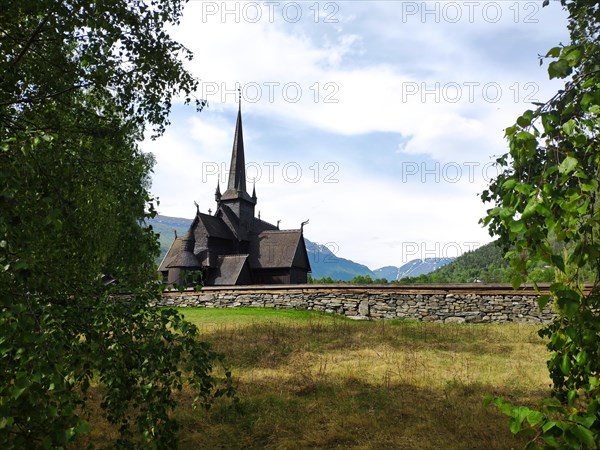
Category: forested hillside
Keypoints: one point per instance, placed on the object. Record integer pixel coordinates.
(485, 264)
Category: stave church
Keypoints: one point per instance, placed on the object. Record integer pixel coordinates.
(233, 246)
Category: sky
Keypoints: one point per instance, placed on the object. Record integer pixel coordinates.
(377, 121)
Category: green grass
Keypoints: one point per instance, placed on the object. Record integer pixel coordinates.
(252, 315)
(310, 380)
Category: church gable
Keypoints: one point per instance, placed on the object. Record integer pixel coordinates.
(301, 257)
(214, 227)
(228, 217)
(231, 270)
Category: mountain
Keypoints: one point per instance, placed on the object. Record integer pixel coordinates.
(390, 273)
(323, 261)
(418, 267)
(412, 268)
(166, 227)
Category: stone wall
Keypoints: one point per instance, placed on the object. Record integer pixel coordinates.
(429, 303)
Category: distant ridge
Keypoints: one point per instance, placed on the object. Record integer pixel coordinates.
(484, 264)
(323, 261)
(412, 268)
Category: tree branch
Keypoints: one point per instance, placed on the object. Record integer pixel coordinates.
(45, 97)
(29, 42)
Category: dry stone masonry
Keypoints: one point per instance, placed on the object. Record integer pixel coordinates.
(428, 303)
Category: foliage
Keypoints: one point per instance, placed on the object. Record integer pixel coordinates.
(322, 280)
(79, 82)
(358, 279)
(366, 279)
(546, 209)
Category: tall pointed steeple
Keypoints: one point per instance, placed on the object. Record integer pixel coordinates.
(218, 193)
(237, 169)
(235, 199)
(236, 185)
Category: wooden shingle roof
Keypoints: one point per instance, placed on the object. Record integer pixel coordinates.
(215, 226)
(175, 249)
(273, 249)
(185, 258)
(229, 270)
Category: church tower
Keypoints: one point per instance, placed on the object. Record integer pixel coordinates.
(235, 197)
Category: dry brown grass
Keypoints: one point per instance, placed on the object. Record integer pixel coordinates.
(306, 380)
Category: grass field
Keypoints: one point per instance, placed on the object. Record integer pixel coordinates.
(308, 380)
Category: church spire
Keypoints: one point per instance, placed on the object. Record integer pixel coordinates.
(235, 199)
(236, 185)
(237, 169)
(218, 193)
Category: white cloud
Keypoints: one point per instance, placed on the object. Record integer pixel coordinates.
(382, 70)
